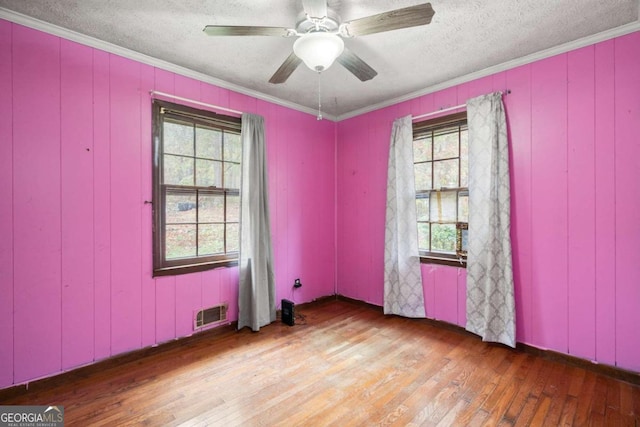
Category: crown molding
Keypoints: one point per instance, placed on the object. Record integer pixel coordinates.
(36, 24)
(546, 53)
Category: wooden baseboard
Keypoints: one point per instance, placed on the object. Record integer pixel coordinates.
(99, 366)
(119, 359)
(599, 368)
(110, 362)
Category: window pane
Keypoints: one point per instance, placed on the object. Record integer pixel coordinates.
(178, 170)
(443, 238)
(211, 208)
(232, 147)
(445, 146)
(233, 237)
(180, 241)
(178, 138)
(210, 239)
(422, 176)
(422, 208)
(463, 208)
(231, 175)
(464, 158)
(208, 173)
(233, 208)
(208, 143)
(180, 207)
(422, 149)
(445, 174)
(443, 206)
(423, 236)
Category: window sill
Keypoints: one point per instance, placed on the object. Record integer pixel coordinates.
(452, 262)
(194, 268)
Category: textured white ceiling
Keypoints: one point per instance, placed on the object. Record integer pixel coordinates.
(464, 37)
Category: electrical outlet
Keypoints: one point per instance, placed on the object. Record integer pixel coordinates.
(297, 284)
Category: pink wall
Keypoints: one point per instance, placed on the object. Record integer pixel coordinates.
(75, 170)
(574, 121)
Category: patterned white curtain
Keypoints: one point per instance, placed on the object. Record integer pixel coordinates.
(490, 296)
(403, 293)
(256, 298)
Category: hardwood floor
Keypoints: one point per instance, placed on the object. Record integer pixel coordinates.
(348, 365)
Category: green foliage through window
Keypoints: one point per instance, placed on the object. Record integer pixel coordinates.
(441, 161)
(196, 188)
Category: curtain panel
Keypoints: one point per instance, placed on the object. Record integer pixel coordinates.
(256, 297)
(490, 291)
(403, 292)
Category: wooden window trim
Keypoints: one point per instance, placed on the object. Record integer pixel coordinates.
(422, 129)
(161, 266)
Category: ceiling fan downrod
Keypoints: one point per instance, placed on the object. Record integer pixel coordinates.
(319, 117)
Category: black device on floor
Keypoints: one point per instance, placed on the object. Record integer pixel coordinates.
(288, 312)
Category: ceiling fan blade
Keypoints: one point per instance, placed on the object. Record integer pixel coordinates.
(315, 8)
(288, 66)
(236, 30)
(411, 16)
(356, 66)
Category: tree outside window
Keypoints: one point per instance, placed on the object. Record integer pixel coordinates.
(197, 157)
(441, 159)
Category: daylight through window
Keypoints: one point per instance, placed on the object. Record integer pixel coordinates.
(196, 188)
(441, 164)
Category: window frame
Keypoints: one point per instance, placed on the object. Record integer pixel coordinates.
(420, 129)
(177, 112)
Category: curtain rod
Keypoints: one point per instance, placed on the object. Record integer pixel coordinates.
(193, 101)
(444, 110)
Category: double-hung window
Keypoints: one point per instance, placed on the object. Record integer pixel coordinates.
(196, 192)
(441, 159)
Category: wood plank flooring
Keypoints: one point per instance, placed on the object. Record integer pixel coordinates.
(348, 365)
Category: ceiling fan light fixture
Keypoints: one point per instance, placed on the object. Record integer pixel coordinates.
(318, 50)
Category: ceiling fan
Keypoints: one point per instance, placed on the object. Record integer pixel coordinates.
(320, 33)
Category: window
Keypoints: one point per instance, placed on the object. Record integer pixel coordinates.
(196, 192)
(441, 159)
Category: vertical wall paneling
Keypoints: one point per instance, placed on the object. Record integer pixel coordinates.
(296, 174)
(549, 198)
(76, 158)
(518, 112)
(101, 206)
(76, 110)
(188, 286)
(428, 288)
(581, 202)
(350, 240)
(188, 302)
(627, 165)
(573, 125)
(165, 286)
(462, 297)
(126, 299)
(244, 103)
(446, 294)
(379, 130)
(277, 155)
(148, 326)
(6, 208)
(36, 199)
(605, 224)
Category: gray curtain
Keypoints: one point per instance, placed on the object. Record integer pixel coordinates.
(490, 296)
(403, 292)
(256, 298)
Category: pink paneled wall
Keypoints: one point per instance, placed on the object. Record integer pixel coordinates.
(574, 121)
(75, 170)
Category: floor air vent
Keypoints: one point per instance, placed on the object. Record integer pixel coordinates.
(211, 316)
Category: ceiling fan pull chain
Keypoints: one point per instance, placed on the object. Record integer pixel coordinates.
(319, 98)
